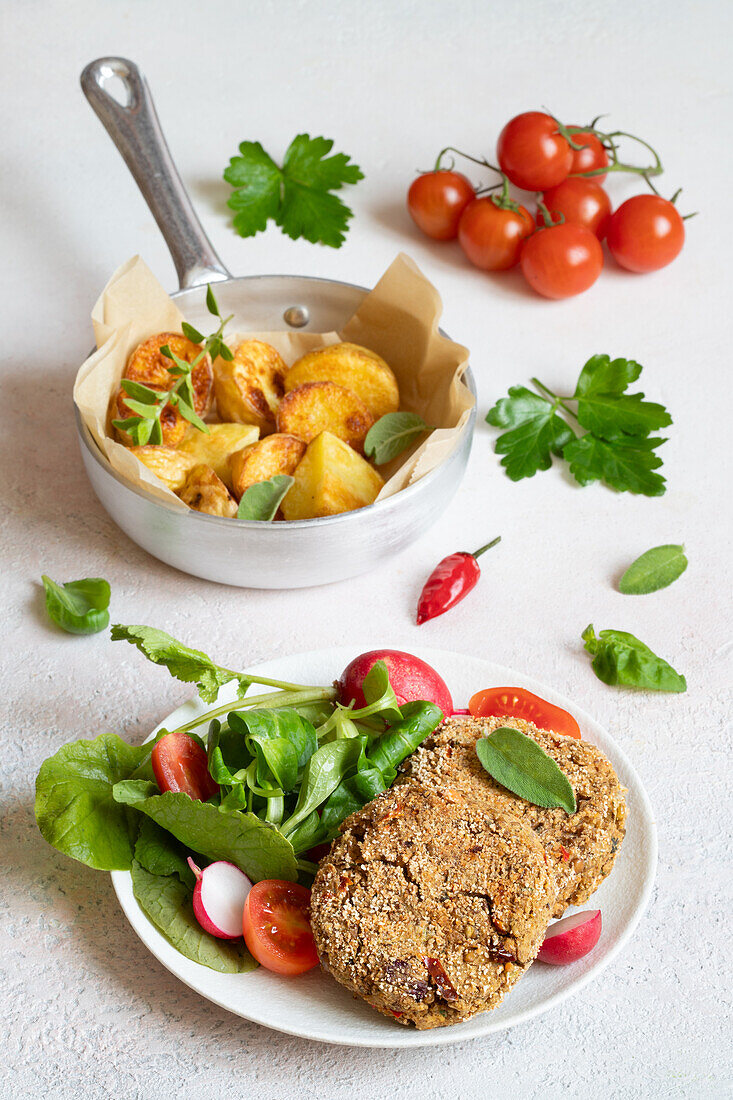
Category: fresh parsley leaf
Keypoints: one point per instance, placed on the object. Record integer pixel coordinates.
(626, 464)
(78, 607)
(298, 197)
(189, 665)
(392, 434)
(262, 500)
(518, 763)
(620, 659)
(653, 570)
(606, 410)
(536, 432)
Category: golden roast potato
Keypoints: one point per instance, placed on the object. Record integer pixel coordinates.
(357, 369)
(167, 463)
(324, 407)
(248, 389)
(215, 447)
(149, 366)
(205, 492)
(275, 454)
(331, 478)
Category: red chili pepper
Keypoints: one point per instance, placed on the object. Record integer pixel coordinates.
(450, 582)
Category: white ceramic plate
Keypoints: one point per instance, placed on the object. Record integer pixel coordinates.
(313, 1005)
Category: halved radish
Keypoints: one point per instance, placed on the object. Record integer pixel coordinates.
(571, 938)
(218, 898)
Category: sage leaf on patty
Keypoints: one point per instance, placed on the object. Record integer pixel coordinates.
(655, 569)
(519, 764)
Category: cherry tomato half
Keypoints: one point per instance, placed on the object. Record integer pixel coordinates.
(532, 152)
(580, 201)
(562, 260)
(590, 157)
(277, 928)
(514, 702)
(491, 235)
(180, 764)
(436, 201)
(646, 233)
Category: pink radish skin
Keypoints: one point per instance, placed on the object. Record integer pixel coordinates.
(411, 679)
(218, 898)
(571, 938)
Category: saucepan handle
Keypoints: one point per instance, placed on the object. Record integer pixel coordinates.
(134, 127)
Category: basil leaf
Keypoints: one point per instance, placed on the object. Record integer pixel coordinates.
(418, 719)
(255, 847)
(189, 665)
(161, 854)
(78, 607)
(655, 569)
(392, 434)
(323, 773)
(75, 808)
(621, 659)
(262, 500)
(520, 765)
(167, 902)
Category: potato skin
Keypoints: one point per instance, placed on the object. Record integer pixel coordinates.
(275, 454)
(356, 368)
(317, 407)
(149, 366)
(248, 389)
(331, 478)
(167, 463)
(205, 492)
(215, 447)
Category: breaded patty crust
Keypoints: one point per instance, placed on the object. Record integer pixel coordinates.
(429, 907)
(581, 847)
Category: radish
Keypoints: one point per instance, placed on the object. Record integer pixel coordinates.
(411, 679)
(218, 898)
(571, 938)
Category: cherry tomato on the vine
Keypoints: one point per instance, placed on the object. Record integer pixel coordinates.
(580, 201)
(562, 260)
(180, 764)
(533, 153)
(516, 702)
(436, 201)
(590, 157)
(646, 233)
(492, 235)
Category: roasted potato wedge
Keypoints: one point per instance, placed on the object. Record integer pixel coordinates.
(324, 407)
(150, 367)
(248, 389)
(214, 449)
(275, 454)
(167, 463)
(357, 369)
(205, 492)
(331, 478)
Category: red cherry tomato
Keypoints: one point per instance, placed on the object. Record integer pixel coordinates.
(562, 260)
(514, 702)
(580, 201)
(646, 233)
(532, 152)
(436, 201)
(491, 236)
(276, 926)
(590, 157)
(180, 764)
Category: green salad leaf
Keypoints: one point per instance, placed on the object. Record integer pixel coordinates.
(656, 568)
(161, 854)
(262, 500)
(189, 665)
(323, 773)
(78, 607)
(392, 434)
(525, 769)
(620, 659)
(418, 720)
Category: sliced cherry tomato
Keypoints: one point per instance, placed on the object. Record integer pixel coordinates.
(562, 260)
(436, 201)
(180, 764)
(277, 928)
(646, 233)
(514, 702)
(491, 235)
(580, 201)
(590, 157)
(533, 153)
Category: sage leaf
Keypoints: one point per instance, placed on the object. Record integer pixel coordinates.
(656, 568)
(620, 659)
(262, 500)
(519, 764)
(392, 434)
(78, 607)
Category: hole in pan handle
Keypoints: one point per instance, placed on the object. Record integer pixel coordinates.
(133, 125)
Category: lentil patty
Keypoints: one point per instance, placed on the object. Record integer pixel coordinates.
(429, 907)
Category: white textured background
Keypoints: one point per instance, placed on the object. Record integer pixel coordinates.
(86, 1013)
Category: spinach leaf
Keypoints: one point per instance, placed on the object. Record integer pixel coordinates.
(167, 902)
(75, 808)
(388, 751)
(262, 500)
(254, 846)
(653, 570)
(161, 854)
(323, 773)
(621, 659)
(264, 724)
(227, 753)
(189, 665)
(79, 607)
(520, 765)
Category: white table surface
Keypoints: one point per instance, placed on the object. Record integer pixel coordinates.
(85, 1012)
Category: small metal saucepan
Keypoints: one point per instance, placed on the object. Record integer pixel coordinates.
(230, 551)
